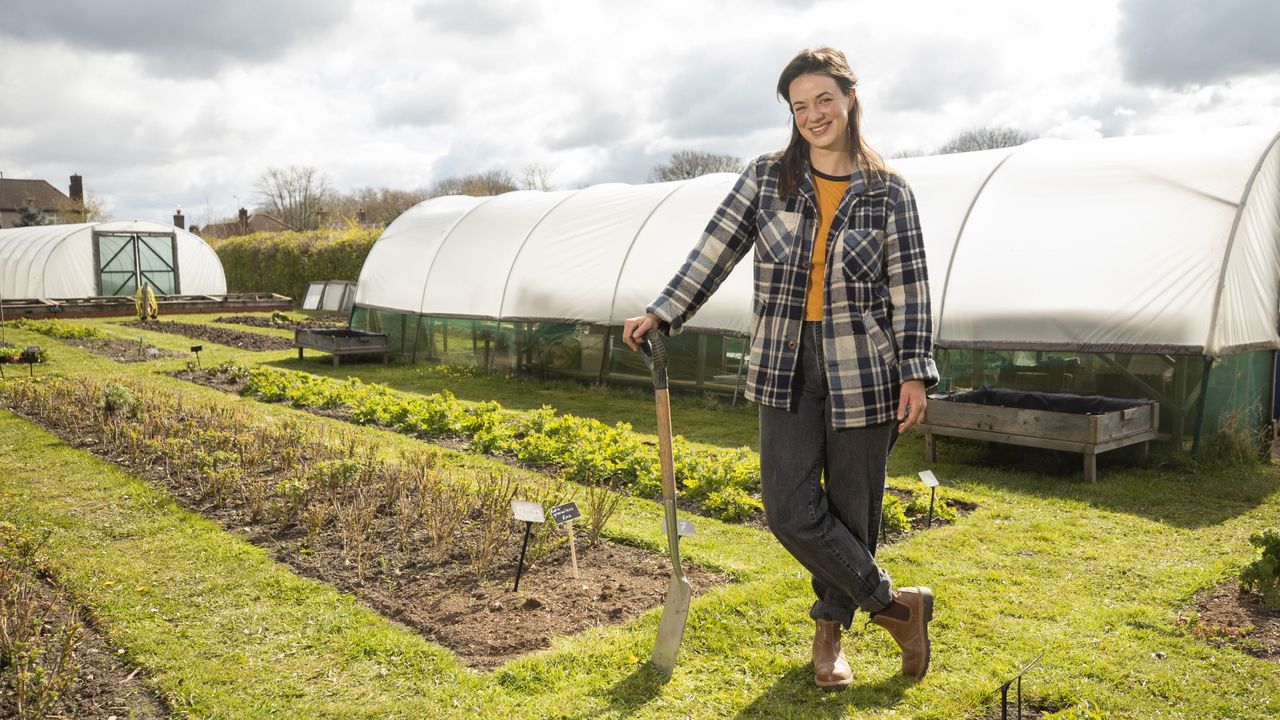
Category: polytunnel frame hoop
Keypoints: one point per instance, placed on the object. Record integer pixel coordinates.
(1231, 243)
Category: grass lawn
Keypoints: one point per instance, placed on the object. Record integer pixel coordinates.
(1092, 575)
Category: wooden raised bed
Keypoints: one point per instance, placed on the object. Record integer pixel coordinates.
(342, 341)
(1085, 424)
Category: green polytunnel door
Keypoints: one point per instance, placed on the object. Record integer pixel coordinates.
(126, 260)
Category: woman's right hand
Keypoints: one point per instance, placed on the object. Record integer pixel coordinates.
(634, 329)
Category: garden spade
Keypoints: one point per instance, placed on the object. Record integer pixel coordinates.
(679, 592)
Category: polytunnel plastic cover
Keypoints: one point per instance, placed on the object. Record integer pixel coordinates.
(1156, 243)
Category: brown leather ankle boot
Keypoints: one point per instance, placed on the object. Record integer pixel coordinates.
(830, 669)
(908, 623)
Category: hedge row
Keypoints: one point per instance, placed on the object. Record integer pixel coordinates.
(724, 484)
(285, 262)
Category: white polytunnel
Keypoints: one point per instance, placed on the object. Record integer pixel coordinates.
(1126, 266)
(106, 258)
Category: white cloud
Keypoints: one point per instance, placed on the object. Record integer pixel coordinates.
(160, 107)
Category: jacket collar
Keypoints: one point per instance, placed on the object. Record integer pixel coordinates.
(859, 184)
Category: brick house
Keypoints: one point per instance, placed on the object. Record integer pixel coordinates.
(15, 194)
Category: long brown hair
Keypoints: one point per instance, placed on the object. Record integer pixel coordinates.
(795, 158)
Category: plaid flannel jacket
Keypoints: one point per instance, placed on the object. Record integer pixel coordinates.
(876, 322)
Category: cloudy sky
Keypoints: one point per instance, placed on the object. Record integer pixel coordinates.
(162, 104)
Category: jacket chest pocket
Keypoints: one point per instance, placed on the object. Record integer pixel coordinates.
(863, 254)
(776, 236)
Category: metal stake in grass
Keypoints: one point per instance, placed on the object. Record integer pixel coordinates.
(196, 349)
(1004, 689)
(530, 513)
(930, 481)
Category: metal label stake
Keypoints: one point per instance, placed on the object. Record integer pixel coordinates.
(530, 513)
(930, 481)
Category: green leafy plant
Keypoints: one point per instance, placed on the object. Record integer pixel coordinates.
(1263, 574)
(892, 516)
(918, 505)
(60, 329)
(723, 483)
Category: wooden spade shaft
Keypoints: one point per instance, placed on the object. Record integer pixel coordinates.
(675, 610)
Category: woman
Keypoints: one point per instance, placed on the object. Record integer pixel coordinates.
(841, 348)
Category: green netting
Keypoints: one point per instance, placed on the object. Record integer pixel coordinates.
(1238, 392)
(586, 352)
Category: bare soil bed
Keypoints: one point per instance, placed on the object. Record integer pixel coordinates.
(210, 333)
(105, 688)
(1227, 615)
(263, 322)
(125, 351)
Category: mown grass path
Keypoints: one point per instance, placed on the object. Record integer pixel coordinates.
(1092, 575)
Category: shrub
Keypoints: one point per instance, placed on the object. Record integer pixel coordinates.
(118, 400)
(287, 262)
(1263, 574)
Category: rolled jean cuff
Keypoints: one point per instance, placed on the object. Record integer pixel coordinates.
(822, 610)
(880, 599)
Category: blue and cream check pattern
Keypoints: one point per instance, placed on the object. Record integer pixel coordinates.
(876, 321)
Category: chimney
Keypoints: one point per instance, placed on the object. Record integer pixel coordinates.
(77, 190)
(179, 221)
(244, 221)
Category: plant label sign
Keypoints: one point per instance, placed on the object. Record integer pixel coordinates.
(684, 528)
(928, 478)
(527, 511)
(562, 514)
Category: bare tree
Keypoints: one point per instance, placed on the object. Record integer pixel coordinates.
(295, 194)
(490, 182)
(987, 138)
(687, 164)
(92, 209)
(378, 206)
(536, 176)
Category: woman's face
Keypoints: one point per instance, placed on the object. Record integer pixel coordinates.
(821, 112)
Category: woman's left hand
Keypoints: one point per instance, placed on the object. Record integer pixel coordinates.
(911, 404)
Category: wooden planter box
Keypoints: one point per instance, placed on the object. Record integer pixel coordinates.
(1085, 424)
(342, 342)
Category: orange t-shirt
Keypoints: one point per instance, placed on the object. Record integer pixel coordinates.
(829, 191)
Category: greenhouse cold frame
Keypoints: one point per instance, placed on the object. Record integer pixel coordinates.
(1144, 266)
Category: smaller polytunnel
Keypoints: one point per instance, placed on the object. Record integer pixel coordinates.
(1159, 244)
(106, 258)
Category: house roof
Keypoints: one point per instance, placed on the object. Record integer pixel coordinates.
(258, 222)
(14, 194)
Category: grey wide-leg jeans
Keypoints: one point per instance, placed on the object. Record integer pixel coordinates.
(831, 526)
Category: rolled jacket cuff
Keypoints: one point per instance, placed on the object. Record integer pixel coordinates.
(920, 369)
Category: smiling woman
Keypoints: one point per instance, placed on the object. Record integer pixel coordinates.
(841, 348)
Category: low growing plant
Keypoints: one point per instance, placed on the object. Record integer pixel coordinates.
(54, 328)
(1263, 574)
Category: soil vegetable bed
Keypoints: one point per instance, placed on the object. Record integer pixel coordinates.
(482, 620)
(125, 351)
(104, 686)
(264, 322)
(220, 335)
